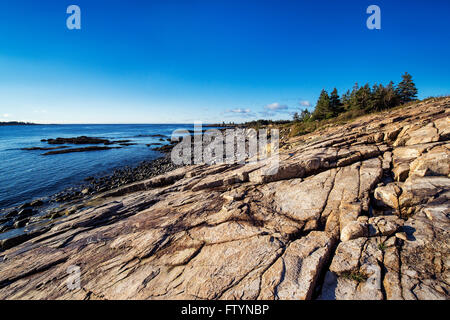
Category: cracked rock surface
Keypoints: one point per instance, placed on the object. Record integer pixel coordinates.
(357, 211)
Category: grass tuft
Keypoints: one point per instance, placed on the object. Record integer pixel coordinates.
(355, 276)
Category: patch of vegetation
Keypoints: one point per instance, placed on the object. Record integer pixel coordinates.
(382, 246)
(355, 276)
(332, 109)
(365, 99)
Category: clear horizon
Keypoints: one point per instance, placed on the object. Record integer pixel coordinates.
(163, 62)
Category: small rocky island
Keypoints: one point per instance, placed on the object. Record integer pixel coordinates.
(355, 211)
(82, 140)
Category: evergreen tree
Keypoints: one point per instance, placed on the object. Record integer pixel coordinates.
(366, 98)
(391, 97)
(378, 102)
(322, 110)
(305, 115)
(352, 101)
(362, 98)
(335, 103)
(296, 117)
(406, 89)
(345, 100)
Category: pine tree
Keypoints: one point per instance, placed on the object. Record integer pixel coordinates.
(335, 103)
(296, 117)
(305, 115)
(378, 98)
(362, 98)
(352, 101)
(391, 98)
(322, 110)
(406, 89)
(345, 100)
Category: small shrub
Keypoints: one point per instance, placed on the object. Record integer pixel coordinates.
(355, 276)
(382, 246)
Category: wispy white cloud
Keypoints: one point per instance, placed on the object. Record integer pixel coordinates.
(305, 103)
(239, 113)
(275, 110)
(239, 110)
(276, 106)
(6, 115)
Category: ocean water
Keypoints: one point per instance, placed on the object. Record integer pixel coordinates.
(26, 175)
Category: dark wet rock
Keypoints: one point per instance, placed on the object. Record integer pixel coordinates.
(7, 226)
(36, 203)
(57, 214)
(6, 244)
(86, 149)
(14, 241)
(25, 212)
(157, 135)
(12, 213)
(43, 148)
(77, 140)
(21, 223)
(24, 205)
(165, 148)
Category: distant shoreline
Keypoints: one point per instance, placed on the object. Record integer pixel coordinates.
(18, 123)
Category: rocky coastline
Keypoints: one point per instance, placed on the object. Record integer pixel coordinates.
(354, 211)
(62, 203)
(30, 215)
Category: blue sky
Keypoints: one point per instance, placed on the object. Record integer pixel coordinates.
(172, 61)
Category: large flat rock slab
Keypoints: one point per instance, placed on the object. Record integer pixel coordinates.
(357, 211)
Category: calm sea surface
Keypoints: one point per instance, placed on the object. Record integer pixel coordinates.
(27, 175)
